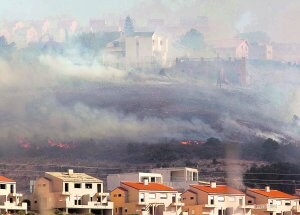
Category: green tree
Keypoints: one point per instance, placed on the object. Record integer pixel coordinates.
(193, 39)
(128, 26)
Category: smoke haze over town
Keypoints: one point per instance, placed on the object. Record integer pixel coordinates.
(58, 83)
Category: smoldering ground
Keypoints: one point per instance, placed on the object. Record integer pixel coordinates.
(52, 97)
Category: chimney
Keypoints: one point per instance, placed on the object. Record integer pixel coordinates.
(267, 188)
(70, 171)
(213, 184)
(146, 182)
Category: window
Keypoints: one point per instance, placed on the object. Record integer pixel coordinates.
(66, 187)
(152, 196)
(173, 198)
(192, 198)
(75, 202)
(152, 179)
(211, 199)
(11, 188)
(3, 186)
(125, 210)
(79, 202)
(287, 203)
(221, 199)
(99, 188)
(219, 212)
(88, 186)
(116, 210)
(11, 200)
(119, 195)
(77, 185)
(142, 197)
(163, 196)
(231, 199)
(115, 195)
(91, 199)
(241, 201)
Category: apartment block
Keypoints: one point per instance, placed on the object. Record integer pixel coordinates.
(215, 199)
(273, 202)
(114, 180)
(10, 200)
(71, 193)
(178, 177)
(146, 198)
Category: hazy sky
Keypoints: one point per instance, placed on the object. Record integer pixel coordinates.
(277, 17)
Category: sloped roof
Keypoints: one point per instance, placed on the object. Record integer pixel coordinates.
(4, 179)
(150, 186)
(274, 194)
(219, 189)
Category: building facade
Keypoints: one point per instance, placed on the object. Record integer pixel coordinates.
(273, 202)
(10, 200)
(215, 199)
(114, 180)
(146, 198)
(178, 177)
(70, 192)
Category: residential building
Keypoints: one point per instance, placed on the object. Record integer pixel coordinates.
(178, 177)
(114, 180)
(70, 192)
(273, 202)
(139, 49)
(260, 51)
(214, 199)
(146, 198)
(10, 200)
(234, 48)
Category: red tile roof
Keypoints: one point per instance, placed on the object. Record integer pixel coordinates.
(2, 178)
(220, 189)
(150, 186)
(274, 194)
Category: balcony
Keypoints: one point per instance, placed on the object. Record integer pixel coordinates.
(15, 206)
(178, 204)
(91, 205)
(266, 207)
(15, 194)
(209, 206)
(246, 206)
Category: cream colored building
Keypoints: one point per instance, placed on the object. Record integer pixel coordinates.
(114, 180)
(178, 177)
(233, 48)
(10, 200)
(273, 202)
(215, 199)
(145, 48)
(146, 198)
(70, 192)
(140, 49)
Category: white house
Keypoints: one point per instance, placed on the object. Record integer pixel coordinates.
(10, 200)
(70, 192)
(146, 198)
(273, 202)
(114, 180)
